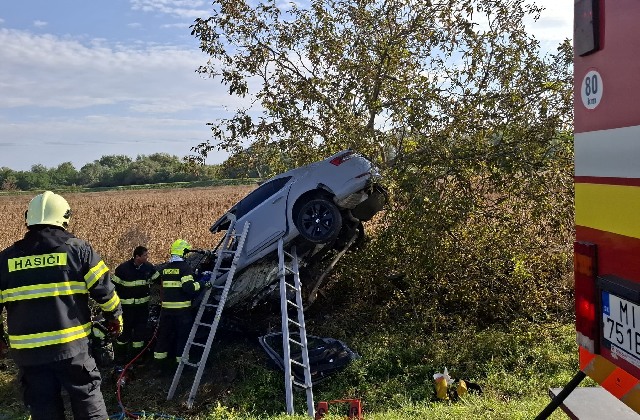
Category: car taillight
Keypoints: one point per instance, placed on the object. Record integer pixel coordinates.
(585, 273)
(340, 159)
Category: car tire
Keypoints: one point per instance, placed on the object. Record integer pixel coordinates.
(319, 220)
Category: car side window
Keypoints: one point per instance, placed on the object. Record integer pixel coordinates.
(259, 195)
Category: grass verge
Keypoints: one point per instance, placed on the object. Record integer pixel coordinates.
(514, 365)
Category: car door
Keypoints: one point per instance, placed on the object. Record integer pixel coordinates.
(266, 209)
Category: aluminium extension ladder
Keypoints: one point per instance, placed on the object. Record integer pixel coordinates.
(287, 341)
(231, 245)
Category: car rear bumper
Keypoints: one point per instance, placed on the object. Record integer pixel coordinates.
(373, 204)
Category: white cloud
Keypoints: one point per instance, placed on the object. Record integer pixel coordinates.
(180, 8)
(555, 23)
(183, 25)
(49, 71)
(39, 23)
(99, 99)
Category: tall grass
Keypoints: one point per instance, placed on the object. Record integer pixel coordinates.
(515, 366)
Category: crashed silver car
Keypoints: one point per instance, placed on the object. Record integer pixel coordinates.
(319, 207)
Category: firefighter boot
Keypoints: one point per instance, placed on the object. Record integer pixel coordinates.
(121, 352)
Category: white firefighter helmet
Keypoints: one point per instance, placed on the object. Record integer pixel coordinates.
(48, 208)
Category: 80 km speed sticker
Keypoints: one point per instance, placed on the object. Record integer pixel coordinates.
(591, 89)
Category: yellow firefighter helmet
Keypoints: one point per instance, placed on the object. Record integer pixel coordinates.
(179, 246)
(48, 208)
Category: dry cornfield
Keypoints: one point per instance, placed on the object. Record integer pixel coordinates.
(115, 222)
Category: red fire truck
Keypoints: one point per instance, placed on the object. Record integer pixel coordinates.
(607, 195)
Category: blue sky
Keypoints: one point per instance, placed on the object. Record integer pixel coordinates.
(80, 79)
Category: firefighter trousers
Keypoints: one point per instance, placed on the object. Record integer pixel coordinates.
(42, 386)
(134, 332)
(173, 333)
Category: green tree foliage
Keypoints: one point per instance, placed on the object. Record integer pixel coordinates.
(467, 118)
(158, 167)
(108, 171)
(118, 170)
(114, 167)
(64, 174)
(92, 173)
(253, 162)
(8, 180)
(115, 162)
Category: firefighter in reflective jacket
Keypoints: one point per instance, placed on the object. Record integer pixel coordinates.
(178, 288)
(46, 280)
(133, 279)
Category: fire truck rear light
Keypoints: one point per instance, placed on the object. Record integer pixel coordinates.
(585, 274)
(583, 264)
(339, 160)
(586, 26)
(585, 310)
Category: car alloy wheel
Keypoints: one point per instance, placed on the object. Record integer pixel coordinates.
(319, 220)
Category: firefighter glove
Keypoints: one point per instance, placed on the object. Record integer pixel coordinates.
(205, 279)
(114, 325)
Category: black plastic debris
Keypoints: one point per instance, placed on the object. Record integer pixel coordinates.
(326, 355)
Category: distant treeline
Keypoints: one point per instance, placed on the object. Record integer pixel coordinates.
(109, 171)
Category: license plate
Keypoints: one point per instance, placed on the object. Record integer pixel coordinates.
(621, 327)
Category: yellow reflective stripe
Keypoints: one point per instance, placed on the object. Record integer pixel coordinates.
(176, 305)
(37, 261)
(186, 278)
(611, 208)
(95, 273)
(137, 344)
(116, 279)
(111, 304)
(599, 369)
(137, 283)
(196, 286)
(632, 398)
(171, 284)
(28, 341)
(43, 290)
(129, 283)
(171, 271)
(162, 355)
(155, 275)
(134, 301)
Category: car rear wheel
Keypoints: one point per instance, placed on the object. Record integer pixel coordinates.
(319, 220)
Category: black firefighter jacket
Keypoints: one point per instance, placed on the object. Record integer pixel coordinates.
(132, 282)
(178, 287)
(46, 279)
